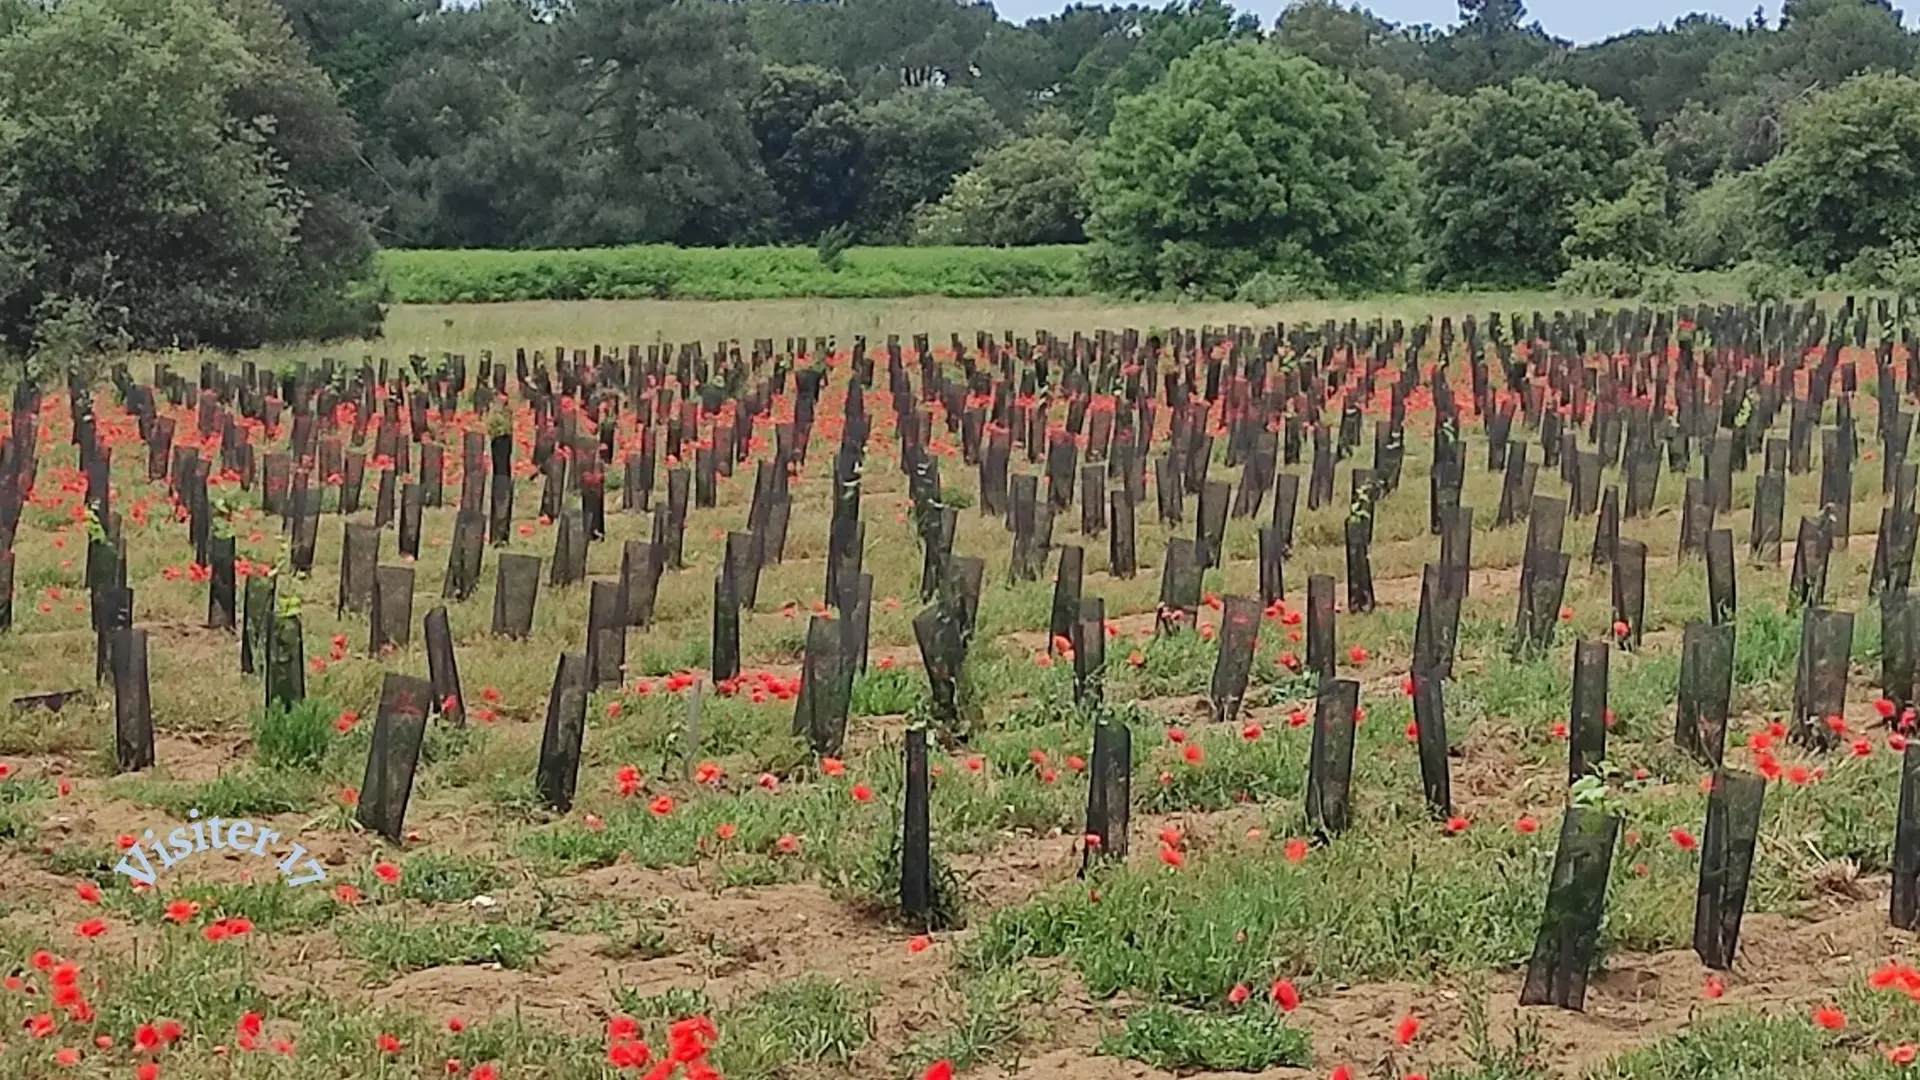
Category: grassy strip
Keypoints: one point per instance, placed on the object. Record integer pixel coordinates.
(664, 272)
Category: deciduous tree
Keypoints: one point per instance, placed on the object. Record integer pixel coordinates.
(1503, 171)
(1245, 160)
(1848, 179)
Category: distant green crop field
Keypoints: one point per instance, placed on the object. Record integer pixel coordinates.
(671, 273)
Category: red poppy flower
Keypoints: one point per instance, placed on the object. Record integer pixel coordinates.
(1406, 1030)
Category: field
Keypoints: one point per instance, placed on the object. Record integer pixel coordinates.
(731, 873)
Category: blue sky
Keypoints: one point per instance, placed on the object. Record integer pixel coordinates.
(1577, 20)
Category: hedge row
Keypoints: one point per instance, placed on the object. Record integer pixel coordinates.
(664, 272)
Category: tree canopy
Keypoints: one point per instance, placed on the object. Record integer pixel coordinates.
(513, 123)
(242, 202)
(1244, 159)
(174, 171)
(1848, 181)
(1503, 172)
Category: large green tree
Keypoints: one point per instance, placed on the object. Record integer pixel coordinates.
(1490, 46)
(174, 170)
(811, 145)
(1385, 60)
(1848, 179)
(917, 141)
(1655, 72)
(1026, 192)
(1503, 171)
(1244, 160)
(646, 104)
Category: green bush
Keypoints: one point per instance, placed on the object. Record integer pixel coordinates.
(665, 272)
(1266, 288)
(1659, 285)
(1505, 171)
(1716, 225)
(1026, 192)
(1762, 280)
(174, 172)
(1847, 178)
(1894, 268)
(1607, 279)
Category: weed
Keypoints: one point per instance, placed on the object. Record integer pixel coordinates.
(13, 792)
(249, 793)
(666, 1005)
(272, 906)
(893, 691)
(795, 1029)
(295, 737)
(394, 946)
(995, 1020)
(449, 879)
(1245, 1040)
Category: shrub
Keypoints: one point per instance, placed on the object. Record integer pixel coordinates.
(1659, 286)
(665, 272)
(179, 171)
(1894, 268)
(1248, 1040)
(1266, 288)
(1611, 279)
(1026, 192)
(1763, 279)
(1715, 228)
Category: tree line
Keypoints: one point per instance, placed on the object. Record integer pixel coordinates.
(220, 171)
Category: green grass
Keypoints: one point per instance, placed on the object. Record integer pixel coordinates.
(297, 737)
(246, 793)
(271, 905)
(1249, 1039)
(808, 1027)
(394, 946)
(888, 692)
(1409, 906)
(998, 1016)
(664, 272)
(449, 879)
